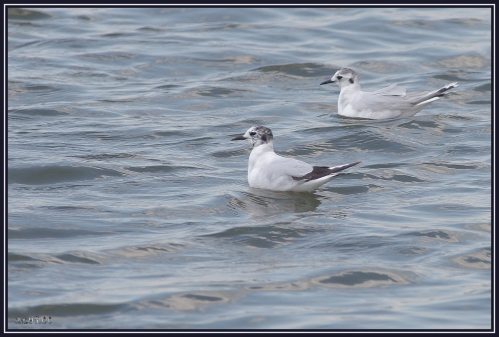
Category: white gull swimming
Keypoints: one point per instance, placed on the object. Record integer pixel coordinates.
(389, 102)
(267, 170)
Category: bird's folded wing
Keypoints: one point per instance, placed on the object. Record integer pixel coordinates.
(391, 90)
(288, 166)
(368, 101)
(322, 171)
(317, 173)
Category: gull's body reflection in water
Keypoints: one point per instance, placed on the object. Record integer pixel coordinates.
(263, 203)
(276, 219)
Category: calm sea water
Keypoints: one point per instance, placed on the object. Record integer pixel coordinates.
(129, 208)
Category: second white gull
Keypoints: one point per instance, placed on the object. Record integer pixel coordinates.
(386, 103)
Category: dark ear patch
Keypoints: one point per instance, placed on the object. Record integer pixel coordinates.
(350, 80)
(264, 138)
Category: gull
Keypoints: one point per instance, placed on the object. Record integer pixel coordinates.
(389, 102)
(267, 170)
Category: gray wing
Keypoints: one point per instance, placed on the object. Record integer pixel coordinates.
(391, 90)
(289, 166)
(381, 102)
(394, 101)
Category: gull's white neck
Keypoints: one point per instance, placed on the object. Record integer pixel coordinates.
(347, 96)
(259, 151)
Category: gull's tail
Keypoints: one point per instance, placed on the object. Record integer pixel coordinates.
(434, 95)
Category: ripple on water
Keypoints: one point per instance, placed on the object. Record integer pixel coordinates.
(26, 14)
(480, 259)
(54, 174)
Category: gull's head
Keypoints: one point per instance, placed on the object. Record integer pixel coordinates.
(344, 77)
(257, 135)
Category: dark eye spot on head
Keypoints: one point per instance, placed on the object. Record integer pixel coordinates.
(351, 81)
(252, 133)
(339, 77)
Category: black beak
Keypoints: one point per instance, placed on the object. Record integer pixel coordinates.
(239, 138)
(327, 82)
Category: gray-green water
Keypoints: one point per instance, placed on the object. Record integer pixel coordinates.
(128, 206)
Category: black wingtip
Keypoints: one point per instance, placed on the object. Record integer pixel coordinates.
(322, 171)
(344, 167)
